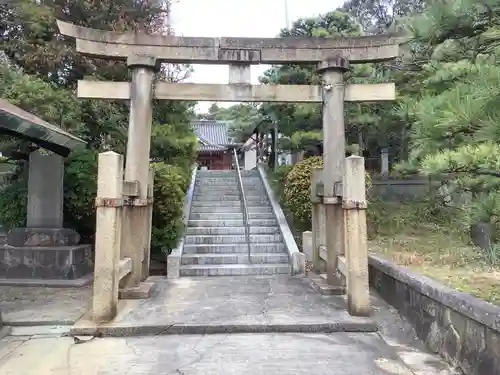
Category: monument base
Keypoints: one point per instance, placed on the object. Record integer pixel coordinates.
(46, 262)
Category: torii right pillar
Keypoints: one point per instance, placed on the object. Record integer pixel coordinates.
(332, 71)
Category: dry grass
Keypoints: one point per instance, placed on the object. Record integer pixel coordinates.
(437, 251)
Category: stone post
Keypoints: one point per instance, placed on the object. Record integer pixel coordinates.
(250, 159)
(147, 250)
(384, 161)
(45, 190)
(318, 223)
(307, 247)
(136, 217)
(354, 203)
(107, 239)
(332, 72)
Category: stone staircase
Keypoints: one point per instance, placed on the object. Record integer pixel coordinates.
(215, 242)
(3, 236)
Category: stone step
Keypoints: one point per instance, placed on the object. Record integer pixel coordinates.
(233, 248)
(226, 191)
(203, 203)
(241, 258)
(231, 238)
(234, 269)
(222, 198)
(253, 188)
(229, 215)
(215, 184)
(229, 185)
(228, 179)
(216, 173)
(227, 172)
(212, 174)
(230, 230)
(228, 209)
(227, 197)
(230, 223)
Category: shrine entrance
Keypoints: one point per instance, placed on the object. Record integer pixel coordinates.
(124, 204)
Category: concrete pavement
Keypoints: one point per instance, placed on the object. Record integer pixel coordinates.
(258, 325)
(238, 354)
(238, 304)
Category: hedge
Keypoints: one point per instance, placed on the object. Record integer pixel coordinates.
(297, 191)
(171, 184)
(80, 189)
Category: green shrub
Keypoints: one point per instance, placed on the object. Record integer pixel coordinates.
(297, 191)
(171, 184)
(13, 204)
(80, 191)
(80, 185)
(278, 178)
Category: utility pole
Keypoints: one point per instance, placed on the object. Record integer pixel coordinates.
(275, 145)
(287, 20)
(168, 8)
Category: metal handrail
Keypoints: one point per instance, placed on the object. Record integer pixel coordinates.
(243, 202)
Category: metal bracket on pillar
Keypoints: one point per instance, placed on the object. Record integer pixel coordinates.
(331, 200)
(139, 202)
(109, 202)
(354, 205)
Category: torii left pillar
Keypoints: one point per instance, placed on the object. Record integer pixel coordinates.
(136, 224)
(332, 72)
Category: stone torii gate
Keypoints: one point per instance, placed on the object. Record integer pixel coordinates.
(143, 54)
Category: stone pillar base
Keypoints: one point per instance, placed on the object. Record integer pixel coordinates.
(46, 255)
(48, 262)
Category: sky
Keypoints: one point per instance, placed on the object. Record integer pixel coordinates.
(238, 18)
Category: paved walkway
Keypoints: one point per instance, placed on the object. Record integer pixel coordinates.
(220, 354)
(231, 304)
(258, 325)
(43, 306)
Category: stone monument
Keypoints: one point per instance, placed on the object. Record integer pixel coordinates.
(45, 252)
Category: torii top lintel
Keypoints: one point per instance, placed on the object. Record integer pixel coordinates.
(228, 50)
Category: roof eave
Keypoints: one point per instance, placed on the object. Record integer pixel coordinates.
(17, 122)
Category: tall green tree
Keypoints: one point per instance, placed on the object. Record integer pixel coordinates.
(378, 16)
(31, 41)
(455, 114)
(372, 125)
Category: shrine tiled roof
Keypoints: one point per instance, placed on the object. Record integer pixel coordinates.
(212, 135)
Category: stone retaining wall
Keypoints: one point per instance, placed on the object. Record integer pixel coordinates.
(463, 329)
(395, 190)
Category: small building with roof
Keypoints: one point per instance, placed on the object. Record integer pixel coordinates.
(44, 252)
(214, 144)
